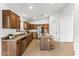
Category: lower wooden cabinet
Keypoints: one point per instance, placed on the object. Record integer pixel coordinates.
(24, 43)
(15, 47)
(4, 46)
(18, 47)
(35, 35)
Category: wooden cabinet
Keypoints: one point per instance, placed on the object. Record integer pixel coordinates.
(26, 25)
(8, 48)
(10, 19)
(33, 26)
(24, 43)
(4, 46)
(30, 37)
(29, 26)
(46, 28)
(35, 35)
(5, 19)
(18, 22)
(16, 46)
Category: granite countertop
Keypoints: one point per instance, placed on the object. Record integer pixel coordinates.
(18, 37)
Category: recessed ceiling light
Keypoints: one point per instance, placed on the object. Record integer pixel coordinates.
(30, 7)
(52, 4)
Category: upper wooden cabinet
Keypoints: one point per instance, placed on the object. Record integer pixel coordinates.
(10, 20)
(26, 25)
(34, 26)
(18, 22)
(46, 28)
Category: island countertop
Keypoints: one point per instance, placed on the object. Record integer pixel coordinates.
(18, 37)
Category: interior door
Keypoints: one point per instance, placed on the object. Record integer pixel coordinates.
(54, 28)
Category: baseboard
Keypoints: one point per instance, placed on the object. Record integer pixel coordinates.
(66, 41)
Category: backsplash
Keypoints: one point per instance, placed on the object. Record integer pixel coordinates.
(5, 32)
(35, 30)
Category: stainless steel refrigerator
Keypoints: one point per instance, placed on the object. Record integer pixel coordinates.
(40, 31)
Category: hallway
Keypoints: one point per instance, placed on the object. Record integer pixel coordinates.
(62, 49)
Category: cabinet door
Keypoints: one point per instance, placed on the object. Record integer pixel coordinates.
(5, 48)
(18, 48)
(13, 20)
(34, 26)
(46, 28)
(25, 25)
(9, 20)
(23, 45)
(5, 18)
(18, 22)
(35, 35)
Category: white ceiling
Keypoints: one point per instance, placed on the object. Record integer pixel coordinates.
(38, 9)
